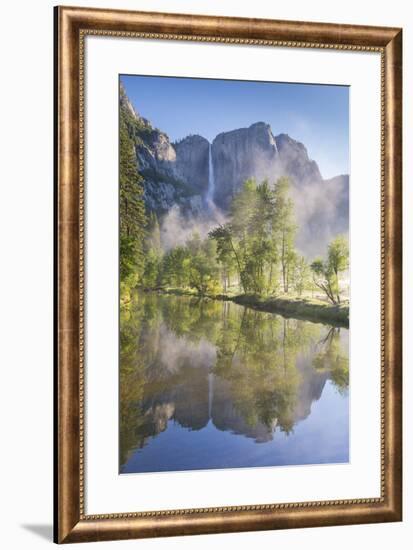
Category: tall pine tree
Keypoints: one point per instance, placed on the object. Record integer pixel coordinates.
(132, 211)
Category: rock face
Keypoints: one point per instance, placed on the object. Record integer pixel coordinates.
(125, 105)
(178, 175)
(192, 160)
(293, 161)
(239, 155)
(173, 173)
(255, 152)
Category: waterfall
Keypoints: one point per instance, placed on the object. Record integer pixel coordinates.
(211, 180)
(210, 393)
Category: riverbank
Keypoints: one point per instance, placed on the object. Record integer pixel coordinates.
(307, 309)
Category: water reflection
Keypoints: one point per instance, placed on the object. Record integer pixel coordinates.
(191, 369)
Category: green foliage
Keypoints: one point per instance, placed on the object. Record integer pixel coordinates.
(132, 214)
(286, 229)
(131, 373)
(175, 267)
(141, 134)
(264, 369)
(326, 273)
(139, 130)
(153, 253)
(301, 275)
(259, 238)
(333, 358)
(203, 270)
(338, 254)
(150, 277)
(193, 265)
(254, 251)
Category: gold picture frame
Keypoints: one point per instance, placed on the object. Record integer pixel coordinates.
(72, 25)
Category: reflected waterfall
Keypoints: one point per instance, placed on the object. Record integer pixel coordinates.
(210, 393)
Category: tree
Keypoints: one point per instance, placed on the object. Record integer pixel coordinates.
(301, 276)
(241, 232)
(322, 278)
(333, 358)
(338, 258)
(326, 274)
(285, 228)
(260, 235)
(153, 234)
(203, 269)
(175, 267)
(263, 249)
(153, 253)
(223, 235)
(132, 212)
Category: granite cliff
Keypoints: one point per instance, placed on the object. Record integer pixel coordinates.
(192, 174)
(173, 173)
(255, 152)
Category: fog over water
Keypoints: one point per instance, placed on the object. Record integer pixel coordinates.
(210, 384)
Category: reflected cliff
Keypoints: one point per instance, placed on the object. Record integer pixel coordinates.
(190, 368)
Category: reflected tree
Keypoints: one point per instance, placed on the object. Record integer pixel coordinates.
(192, 361)
(333, 357)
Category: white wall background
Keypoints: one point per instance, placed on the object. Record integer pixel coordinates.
(26, 126)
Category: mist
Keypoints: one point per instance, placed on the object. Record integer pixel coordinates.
(177, 228)
(321, 211)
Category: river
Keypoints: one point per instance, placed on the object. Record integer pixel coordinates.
(211, 384)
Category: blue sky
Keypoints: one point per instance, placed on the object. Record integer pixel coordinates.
(316, 115)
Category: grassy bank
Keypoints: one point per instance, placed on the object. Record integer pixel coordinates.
(299, 308)
(307, 309)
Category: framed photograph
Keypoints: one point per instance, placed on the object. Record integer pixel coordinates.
(227, 273)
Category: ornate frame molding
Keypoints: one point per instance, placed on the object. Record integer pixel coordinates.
(72, 25)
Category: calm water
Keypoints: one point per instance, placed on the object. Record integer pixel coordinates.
(210, 384)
